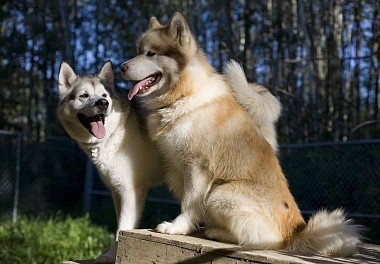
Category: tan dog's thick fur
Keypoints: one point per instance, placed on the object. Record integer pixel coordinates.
(220, 167)
(118, 147)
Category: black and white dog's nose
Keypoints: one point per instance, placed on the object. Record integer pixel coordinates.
(102, 104)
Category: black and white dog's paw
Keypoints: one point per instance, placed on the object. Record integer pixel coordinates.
(109, 256)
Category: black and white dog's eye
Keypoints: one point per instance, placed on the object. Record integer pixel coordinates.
(104, 95)
(150, 53)
(84, 95)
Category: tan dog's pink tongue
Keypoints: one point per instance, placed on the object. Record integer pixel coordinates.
(98, 129)
(135, 89)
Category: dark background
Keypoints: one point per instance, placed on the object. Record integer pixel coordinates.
(321, 58)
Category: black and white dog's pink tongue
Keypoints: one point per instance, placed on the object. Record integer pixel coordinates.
(135, 89)
(98, 129)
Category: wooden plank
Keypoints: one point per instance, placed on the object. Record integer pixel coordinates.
(145, 246)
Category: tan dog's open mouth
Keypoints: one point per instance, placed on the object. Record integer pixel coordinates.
(94, 124)
(144, 85)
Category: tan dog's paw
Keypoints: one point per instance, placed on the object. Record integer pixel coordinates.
(163, 227)
(171, 228)
(212, 233)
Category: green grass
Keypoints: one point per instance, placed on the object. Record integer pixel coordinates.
(36, 240)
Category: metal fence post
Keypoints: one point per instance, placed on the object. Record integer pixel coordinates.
(88, 186)
(17, 180)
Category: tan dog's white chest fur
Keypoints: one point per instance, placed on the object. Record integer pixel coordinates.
(187, 113)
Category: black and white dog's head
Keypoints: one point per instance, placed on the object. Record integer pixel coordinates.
(89, 109)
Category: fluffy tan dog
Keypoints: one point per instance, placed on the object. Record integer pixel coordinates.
(219, 166)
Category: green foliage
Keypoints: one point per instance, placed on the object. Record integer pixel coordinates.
(36, 240)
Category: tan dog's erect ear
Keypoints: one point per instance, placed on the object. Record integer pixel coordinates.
(154, 23)
(106, 74)
(179, 29)
(65, 78)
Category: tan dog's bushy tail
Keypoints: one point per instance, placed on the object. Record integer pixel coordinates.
(260, 104)
(251, 94)
(329, 234)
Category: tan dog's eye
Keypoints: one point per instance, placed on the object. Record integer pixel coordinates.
(150, 53)
(84, 95)
(104, 95)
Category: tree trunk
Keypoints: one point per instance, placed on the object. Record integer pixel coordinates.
(65, 26)
(375, 60)
(356, 81)
(229, 36)
(309, 46)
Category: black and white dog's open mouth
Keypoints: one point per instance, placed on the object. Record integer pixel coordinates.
(143, 85)
(94, 124)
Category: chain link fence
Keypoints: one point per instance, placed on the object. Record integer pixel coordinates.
(55, 175)
(331, 175)
(10, 145)
(40, 178)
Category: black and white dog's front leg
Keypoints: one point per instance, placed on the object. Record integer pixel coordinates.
(131, 206)
(129, 203)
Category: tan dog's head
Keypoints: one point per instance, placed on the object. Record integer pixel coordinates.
(163, 51)
(88, 107)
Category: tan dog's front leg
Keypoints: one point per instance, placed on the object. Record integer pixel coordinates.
(192, 209)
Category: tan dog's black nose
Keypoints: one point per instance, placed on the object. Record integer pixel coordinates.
(102, 104)
(123, 67)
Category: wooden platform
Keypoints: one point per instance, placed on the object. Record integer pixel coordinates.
(144, 246)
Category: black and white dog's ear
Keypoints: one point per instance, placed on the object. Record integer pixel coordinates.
(66, 77)
(179, 29)
(106, 74)
(154, 23)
